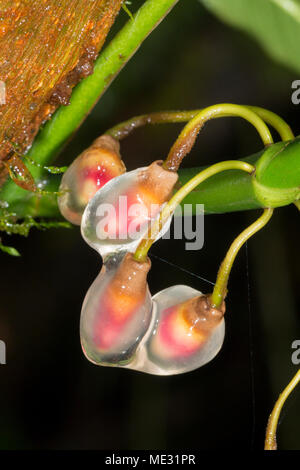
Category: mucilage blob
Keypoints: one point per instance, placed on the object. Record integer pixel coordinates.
(89, 172)
(117, 311)
(186, 333)
(121, 212)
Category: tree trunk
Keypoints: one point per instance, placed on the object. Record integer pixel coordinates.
(46, 47)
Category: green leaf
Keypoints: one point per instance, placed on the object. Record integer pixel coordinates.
(274, 23)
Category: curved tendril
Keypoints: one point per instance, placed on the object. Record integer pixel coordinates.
(279, 124)
(188, 135)
(220, 288)
(270, 441)
(122, 130)
(169, 208)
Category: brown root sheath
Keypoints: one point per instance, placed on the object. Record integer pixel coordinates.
(104, 152)
(107, 142)
(131, 277)
(200, 314)
(159, 181)
(180, 149)
(46, 47)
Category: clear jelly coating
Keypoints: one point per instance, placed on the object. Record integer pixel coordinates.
(121, 212)
(116, 312)
(175, 343)
(89, 172)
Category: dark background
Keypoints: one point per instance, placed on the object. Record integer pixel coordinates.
(50, 395)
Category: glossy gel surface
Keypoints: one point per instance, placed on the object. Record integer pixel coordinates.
(113, 324)
(172, 346)
(89, 172)
(120, 214)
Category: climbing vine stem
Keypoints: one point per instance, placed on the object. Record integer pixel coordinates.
(220, 288)
(145, 244)
(122, 130)
(270, 441)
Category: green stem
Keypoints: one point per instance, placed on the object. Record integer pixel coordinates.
(276, 182)
(109, 63)
(220, 287)
(270, 441)
(229, 191)
(188, 135)
(122, 130)
(224, 192)
(145, 244)
(275, 121)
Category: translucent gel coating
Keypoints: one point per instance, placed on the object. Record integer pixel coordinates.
(116, 312)
(91, 170)
(174, 345)
(120, 213)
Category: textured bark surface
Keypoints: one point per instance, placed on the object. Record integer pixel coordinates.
(46, 47)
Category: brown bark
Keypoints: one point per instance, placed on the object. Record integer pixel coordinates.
(46, 47)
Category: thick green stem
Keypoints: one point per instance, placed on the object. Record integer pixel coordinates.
(276, 182)
(229, 191)
(220, 288)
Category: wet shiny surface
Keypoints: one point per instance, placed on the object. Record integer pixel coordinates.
(89, 172)
(119, 215)
(176, 342)
(116, 312)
